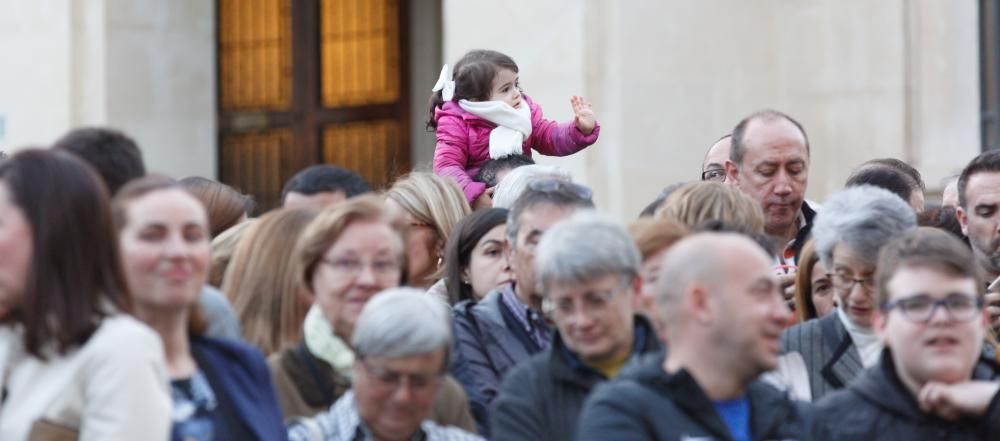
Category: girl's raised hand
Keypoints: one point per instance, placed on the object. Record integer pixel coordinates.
(584, 112)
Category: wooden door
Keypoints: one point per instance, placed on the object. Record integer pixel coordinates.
(303, 82)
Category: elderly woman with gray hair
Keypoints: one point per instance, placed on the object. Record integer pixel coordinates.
(588, 268)
(402, 340)
(825, 354)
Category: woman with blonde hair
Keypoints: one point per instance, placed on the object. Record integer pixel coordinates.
(223, 247)
(429, 207)
(263, 284)
(697, 202)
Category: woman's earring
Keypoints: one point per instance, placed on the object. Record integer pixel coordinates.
(440, 261)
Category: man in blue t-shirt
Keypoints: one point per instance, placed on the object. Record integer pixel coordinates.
(723, 314)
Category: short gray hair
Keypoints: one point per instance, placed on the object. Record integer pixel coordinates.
(402, 322)
(512, 185)
(862, 218)
(583, 248)
(563, 193)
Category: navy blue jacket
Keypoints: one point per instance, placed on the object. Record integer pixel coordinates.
(877, 406)
(648, 404)
(239, 377)
(488, 342)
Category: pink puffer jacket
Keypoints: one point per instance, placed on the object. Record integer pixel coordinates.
(463, 142)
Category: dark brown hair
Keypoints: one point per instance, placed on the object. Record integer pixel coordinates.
(458, 254)
(473, 75)
(75, 278)
(925, 247)
(986, 162)
(226, 206)
(136, 189)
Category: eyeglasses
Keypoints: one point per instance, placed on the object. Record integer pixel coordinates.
(389, 380)
(554, 185)
(845, 283)
(591, 304)
(714, 174)
(920, 308)
(351, 267)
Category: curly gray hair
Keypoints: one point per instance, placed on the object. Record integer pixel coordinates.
(862, 218)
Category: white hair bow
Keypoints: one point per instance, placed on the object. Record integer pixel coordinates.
(445, 84)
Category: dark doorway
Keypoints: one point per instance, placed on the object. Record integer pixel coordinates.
(304, 82)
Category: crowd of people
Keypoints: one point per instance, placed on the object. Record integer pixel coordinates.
(492, 299)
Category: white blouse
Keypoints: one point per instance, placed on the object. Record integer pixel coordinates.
(114, 387)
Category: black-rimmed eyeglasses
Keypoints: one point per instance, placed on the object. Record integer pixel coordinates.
(921, 308)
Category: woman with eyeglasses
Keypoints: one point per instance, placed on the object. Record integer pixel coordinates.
(343, 257)
(853, 226)
(220, 387)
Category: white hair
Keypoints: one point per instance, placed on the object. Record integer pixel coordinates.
(401, 322)
(512, 185)
(585, 247)
(862, 218)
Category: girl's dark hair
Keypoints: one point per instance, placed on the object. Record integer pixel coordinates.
(473, 75)
(74, 278)
(458, 253)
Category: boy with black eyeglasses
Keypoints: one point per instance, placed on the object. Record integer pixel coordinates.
(937, 377)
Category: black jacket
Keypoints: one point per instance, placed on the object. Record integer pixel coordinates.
(541, 398)
(650, 404)
(877, 406)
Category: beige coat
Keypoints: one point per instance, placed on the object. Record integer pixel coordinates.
(113, 388)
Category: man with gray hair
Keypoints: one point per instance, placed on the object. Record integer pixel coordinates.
(507, 326)
(723, 312)
(588, 267)
(853, 227)
(516, 182)
(402, 340)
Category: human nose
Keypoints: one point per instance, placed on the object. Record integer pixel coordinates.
(403, 391)
(782, 184)
(366, 274)
(175, 247)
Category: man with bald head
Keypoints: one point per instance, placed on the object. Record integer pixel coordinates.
(769, 161)
(723, 314)
(713, 167)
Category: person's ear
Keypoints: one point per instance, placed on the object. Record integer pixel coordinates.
(699, 303)
(732, 173)
(879, 322)
(963, 219)
(639, 301)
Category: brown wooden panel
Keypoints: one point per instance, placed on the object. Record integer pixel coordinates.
(370, 148)
(256, 163)
(360, 54)
(255, 53)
